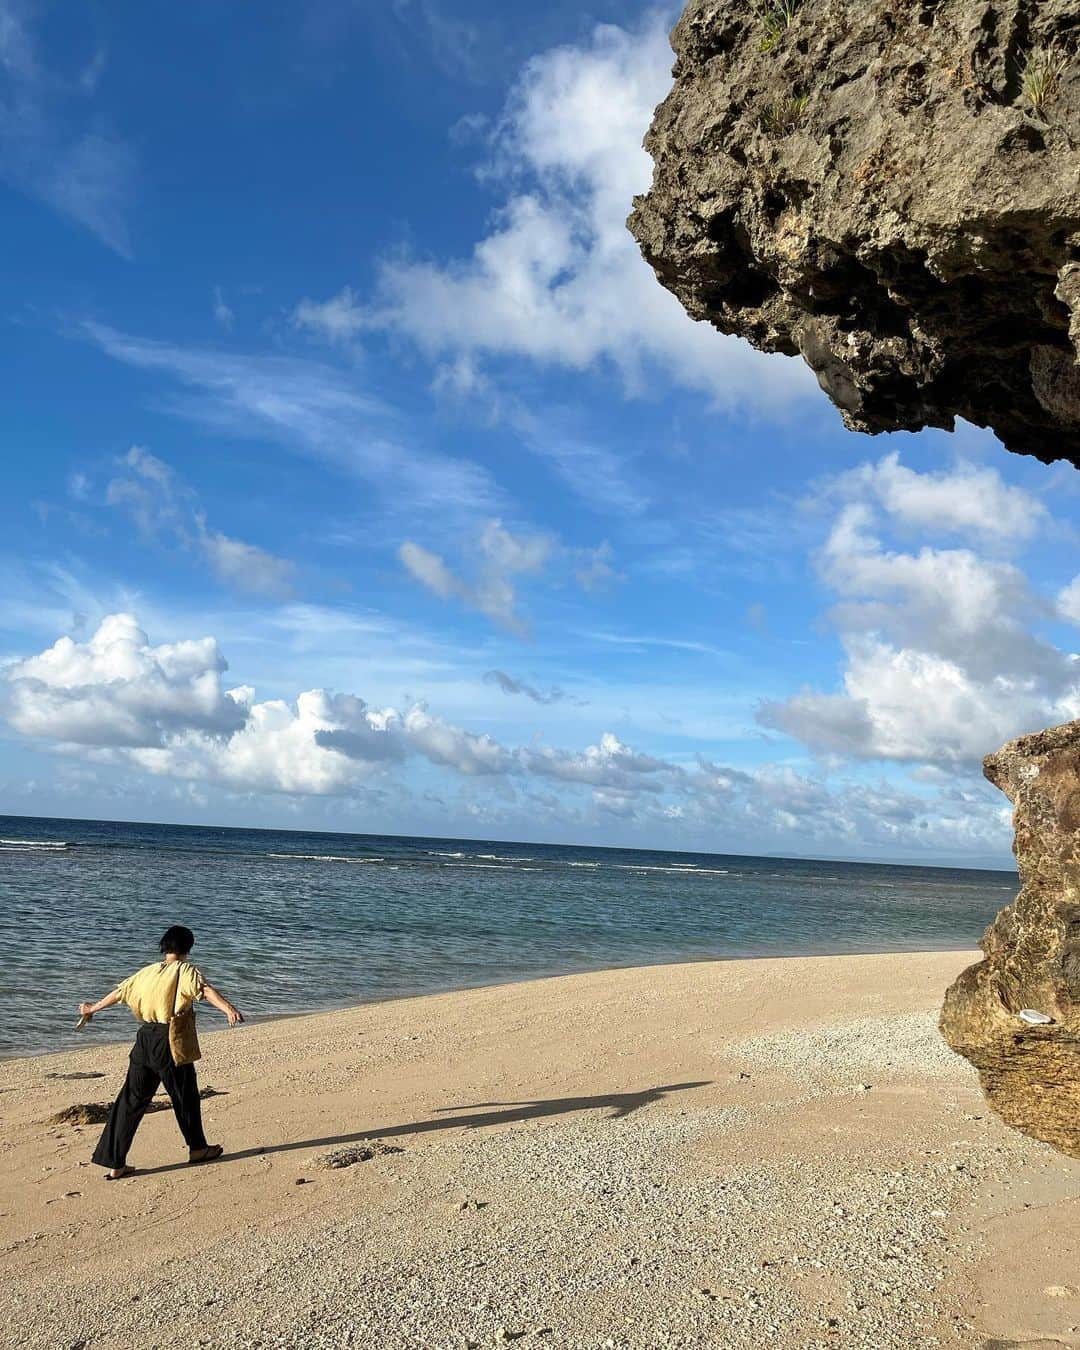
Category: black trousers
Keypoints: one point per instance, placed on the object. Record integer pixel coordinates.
(151, 1064)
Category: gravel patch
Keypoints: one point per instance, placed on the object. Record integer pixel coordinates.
(908, 1043)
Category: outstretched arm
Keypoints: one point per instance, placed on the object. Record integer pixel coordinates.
(89, 1009)
(222, 1004)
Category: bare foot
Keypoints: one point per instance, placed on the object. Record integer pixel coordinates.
(119, 1172)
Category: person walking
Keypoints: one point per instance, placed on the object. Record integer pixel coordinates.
(159, 995)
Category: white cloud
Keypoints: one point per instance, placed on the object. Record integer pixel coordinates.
(164, 709)
(609, 764)
(46, 150)
(952, 601)
(970, 499)
(246, 566)
(1068, 601)
(431, 571)
(558, 279)
(465, 751)
(941, 660)
(594, 570)
(283, 747)
(338, 319)
(500, 557)
(164, 508)
(117, 690)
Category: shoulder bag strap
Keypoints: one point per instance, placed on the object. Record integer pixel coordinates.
(176, 991)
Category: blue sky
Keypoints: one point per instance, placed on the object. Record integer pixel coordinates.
(360, 475)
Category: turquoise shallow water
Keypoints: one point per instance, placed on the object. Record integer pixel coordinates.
(290, 921)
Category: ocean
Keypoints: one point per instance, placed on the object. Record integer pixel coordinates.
(290, 921)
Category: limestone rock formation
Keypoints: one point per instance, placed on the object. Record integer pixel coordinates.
(890, 188)
(1031, 1074)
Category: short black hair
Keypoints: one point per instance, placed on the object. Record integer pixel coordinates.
(177, 941)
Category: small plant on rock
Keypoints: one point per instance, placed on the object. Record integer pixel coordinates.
(784, 114)
(1042, 74)
(775, 16)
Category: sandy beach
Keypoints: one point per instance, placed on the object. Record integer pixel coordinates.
(737, 1153)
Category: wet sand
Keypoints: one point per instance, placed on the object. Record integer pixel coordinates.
(723, 1154)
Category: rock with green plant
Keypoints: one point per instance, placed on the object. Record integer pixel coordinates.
(890, 190)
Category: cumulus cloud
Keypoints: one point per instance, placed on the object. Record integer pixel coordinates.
(118, 690)
(164, 507)
(558, 279)
(500, 558)
(609, 765)
(454, 748)
(165, 710)
(46, 148)
(320, 744)
(941, 659)
(969, 499)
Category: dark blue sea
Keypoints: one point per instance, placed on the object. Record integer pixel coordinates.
(288, 921)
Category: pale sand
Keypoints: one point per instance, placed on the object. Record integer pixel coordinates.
(674, 1156)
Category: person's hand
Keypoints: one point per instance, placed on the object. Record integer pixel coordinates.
(86, 1010)
(235, 1016)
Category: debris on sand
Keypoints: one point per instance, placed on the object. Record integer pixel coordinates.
(83, 1113)
(355, 1153)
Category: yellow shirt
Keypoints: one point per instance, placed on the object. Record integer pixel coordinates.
(152, 993)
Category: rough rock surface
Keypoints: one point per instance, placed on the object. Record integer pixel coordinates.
(890, 188)
(1031, 1074)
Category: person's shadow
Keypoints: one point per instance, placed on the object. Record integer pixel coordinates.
(621, 1104)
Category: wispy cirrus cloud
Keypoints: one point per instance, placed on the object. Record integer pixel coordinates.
(604, 479)
(165, 508)
(223, 313)
(312, 408)
(500, 557)
(496, 559)
(47, 149)
(453, 42)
